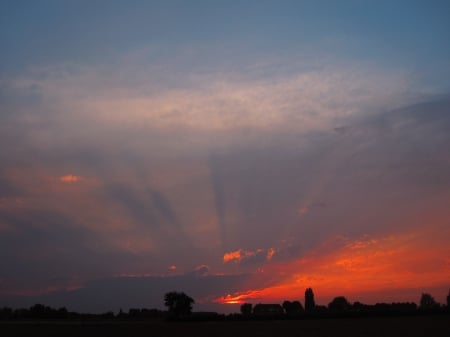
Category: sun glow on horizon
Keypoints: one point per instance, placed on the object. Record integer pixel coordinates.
(230, 299)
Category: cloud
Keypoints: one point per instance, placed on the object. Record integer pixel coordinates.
(232, 256)
(245, 256)
(201, 271)
(91, 101)
(241, 255)
(270, 253)
(70, 178)
(303, 210)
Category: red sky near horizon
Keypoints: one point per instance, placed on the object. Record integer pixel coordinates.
(369, 270)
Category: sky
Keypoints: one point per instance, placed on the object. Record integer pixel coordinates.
(239, 151)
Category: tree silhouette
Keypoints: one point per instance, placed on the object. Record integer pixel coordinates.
(339, 304)
(448, 300)
(246, 309)
(293, 308)
(287, 306)
(309, 300)
(178, 304)
(427, 302)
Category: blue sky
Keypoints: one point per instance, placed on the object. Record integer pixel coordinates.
(255, 148)
(405, 34)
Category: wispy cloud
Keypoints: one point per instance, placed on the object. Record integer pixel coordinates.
(301, 101)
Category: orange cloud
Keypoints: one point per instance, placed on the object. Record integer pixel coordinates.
(235, 255)
(368, 266)
(70, 178)
(270, 253)
(240, 254)
(303, 210)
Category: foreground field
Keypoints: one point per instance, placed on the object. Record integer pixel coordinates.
(414, 326)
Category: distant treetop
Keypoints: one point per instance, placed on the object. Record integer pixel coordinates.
(178, 303)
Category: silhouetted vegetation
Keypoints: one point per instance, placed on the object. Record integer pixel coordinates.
(339, 305)
(37, 311)
(178, 304)
(427, 302)
(42, 312)
(294, 308)
(448, 300)
(180, 308)
(246, 309)
(309, 300)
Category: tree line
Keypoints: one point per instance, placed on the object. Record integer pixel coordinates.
(43, 312)
(340, 306)
(179, 307)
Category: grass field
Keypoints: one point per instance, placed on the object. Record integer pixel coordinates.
(414, 326)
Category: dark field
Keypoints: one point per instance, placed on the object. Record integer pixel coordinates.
(426, 326)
